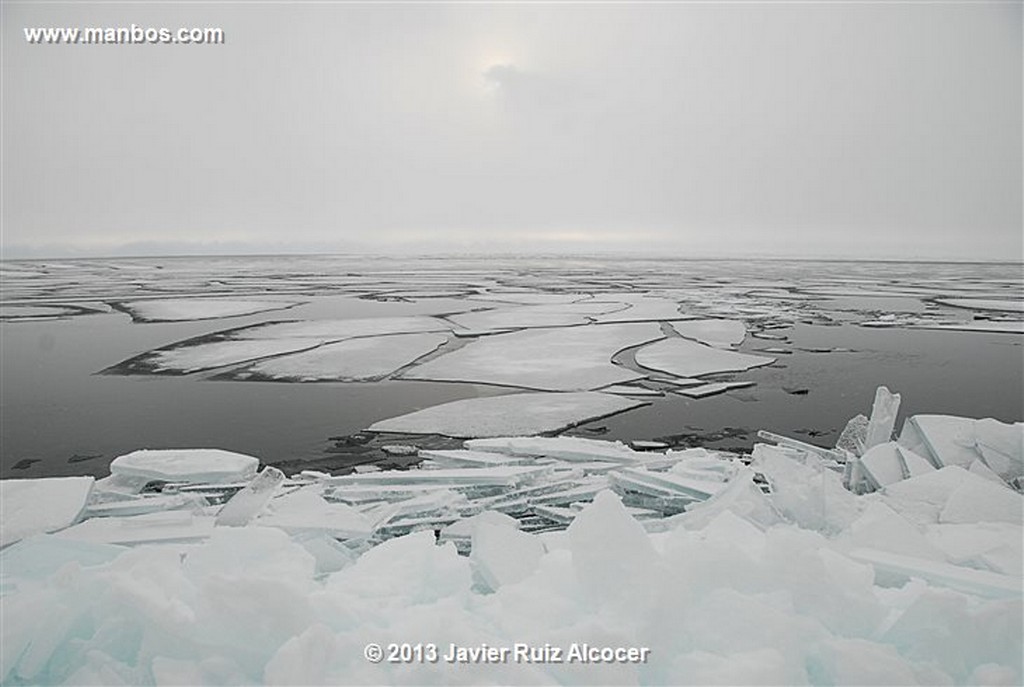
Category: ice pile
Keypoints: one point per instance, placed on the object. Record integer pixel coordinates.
(718, 568)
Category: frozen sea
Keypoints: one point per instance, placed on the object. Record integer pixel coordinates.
(102, 357)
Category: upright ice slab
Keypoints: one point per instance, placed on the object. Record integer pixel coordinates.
(883, 417)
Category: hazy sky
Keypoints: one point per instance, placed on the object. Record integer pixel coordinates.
(824, 129)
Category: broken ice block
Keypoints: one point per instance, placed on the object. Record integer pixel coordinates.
(504, 475)
(305, 511)
(883, 417)
(151, 528)
(888, 463)
(35, 506)
(504, 555)
(980, 582)
(468, 459)
(247, 503)
(210, 466)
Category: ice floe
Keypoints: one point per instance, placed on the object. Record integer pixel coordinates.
(336, 330)
(513, 414)
(984, 304)
(526, 316)
(565, 359)
(718, 333)
(208, 355)
(363, 359)
(178, 309)
(685, 358)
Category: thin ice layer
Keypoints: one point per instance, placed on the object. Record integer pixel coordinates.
(207, 465)
(35, 506)
(179, 309)
(527, 316)
(363, 359)
(511, 415)
(566, 359)
(684, 358)
(717, 333)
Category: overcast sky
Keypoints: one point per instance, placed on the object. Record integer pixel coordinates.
(825, 129)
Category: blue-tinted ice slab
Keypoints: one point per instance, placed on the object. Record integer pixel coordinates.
(363, 359)
(511, 415)
(179, 309)
(717, 333)
(684, 358)
(947, 440)
(563, 359)
(505, 475)
(461, 458)
(200, 465)
(39, 556)
(502, 555)
(36, 506)
(888, 463)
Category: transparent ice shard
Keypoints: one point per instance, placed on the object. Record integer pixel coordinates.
(510, 415)
(468, 458)
(883, 417)
(563, 359)
(35, 506)
(684, 358)
(247, 503)
(205, 465)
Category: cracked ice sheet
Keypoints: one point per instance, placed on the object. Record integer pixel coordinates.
(344, 329)
(566, 359)
(527, 316)
(363, 359)
(996, 327)
(179, 309)
(641, 309)
(214, 354)
(512, 415)
(718, 333)
(685, 358)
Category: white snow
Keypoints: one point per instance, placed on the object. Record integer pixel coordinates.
(564, 359)
(684, 358)
(35, 506)
(179, 309)
(208, 465)
(717, 333)
(362, 359)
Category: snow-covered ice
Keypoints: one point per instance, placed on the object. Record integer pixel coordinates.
(684, 358)
(362, 359)
(565, 359)
(510, 415)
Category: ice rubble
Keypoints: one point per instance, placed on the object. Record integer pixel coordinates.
(727, 572)
(562, 359)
